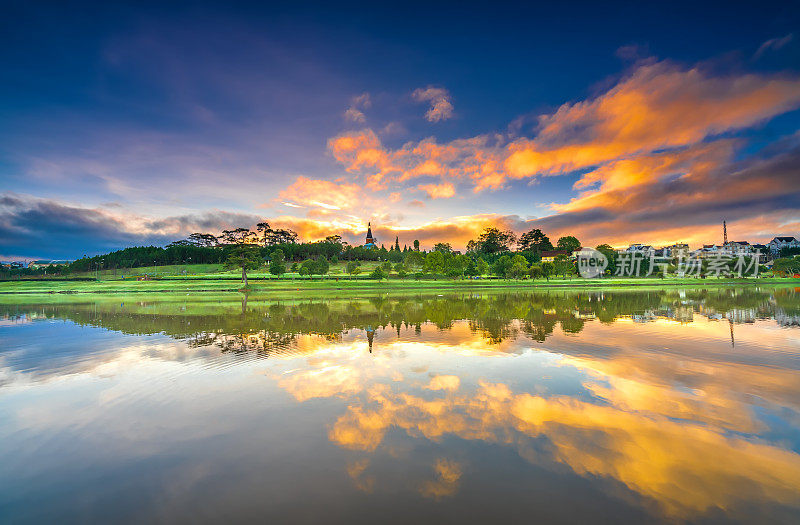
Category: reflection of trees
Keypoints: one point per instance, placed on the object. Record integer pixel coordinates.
(248, 324)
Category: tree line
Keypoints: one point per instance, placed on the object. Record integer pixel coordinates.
(495, 252)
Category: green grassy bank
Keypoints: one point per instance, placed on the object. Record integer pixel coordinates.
(332, 283)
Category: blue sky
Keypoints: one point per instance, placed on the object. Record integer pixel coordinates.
(140, 123)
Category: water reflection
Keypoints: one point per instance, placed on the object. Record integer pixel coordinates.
(672, 404)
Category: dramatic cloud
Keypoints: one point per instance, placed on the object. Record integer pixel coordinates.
(439, 98)
(658, 106)
(32, 227)
(654, 150)
(660, 156)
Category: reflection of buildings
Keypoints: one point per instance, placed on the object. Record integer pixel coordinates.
(785, 319)
(370, 337)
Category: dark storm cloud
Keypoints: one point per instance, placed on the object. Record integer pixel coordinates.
(46, 228)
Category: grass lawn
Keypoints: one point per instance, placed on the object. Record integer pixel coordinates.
(212, 278)
(208, 271)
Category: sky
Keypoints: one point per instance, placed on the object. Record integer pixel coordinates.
(137, 124)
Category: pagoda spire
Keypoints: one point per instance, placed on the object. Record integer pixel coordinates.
(369, 242)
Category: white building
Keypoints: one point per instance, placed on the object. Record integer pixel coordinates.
(644, 249)
(778, 243)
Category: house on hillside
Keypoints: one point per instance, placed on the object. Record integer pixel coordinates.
(779, 243)
(550, 255)
(39, 263)
(642, 249)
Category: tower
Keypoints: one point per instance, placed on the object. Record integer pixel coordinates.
(724, 233)
(369, 242)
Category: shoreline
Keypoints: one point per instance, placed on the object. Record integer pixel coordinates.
(23, 287)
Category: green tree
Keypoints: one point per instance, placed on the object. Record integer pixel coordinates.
(548, 269)
(434, 262)
(352, 268)
(563, 265)
(534, 240)
(414, 260)
(569, 243)
(519, 267)
(321, 266)
(482, 266)
(502, 266)
(416, 245)
(378, 273)
(472, 268)
(786, 265)
(307, 268)
(244, 256)
(492, 240)
(277, 265)
(386, 266)
(611, 256)
(443, 247)
(535, 271)
(461, 262)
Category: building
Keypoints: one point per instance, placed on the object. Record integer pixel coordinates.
(675, 250)
(370, 241)
(550, 256)
(40, 263)
(779, 243)
(643, 249)
(736, 248)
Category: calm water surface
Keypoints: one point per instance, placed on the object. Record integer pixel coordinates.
(678, 405)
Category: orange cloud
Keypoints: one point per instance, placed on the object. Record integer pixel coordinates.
(323, 194)
(438, 191)
(659, 106)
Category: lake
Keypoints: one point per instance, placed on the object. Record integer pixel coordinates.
(557, 406)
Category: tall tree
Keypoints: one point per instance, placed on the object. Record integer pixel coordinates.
(277, 264)
(202, 239)
(534, 240)
(397, 243)
(416, 244)
(244, 256)
(237, 236)
(492, 240)
(569, 243)
(264, 229)
(281, 236)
